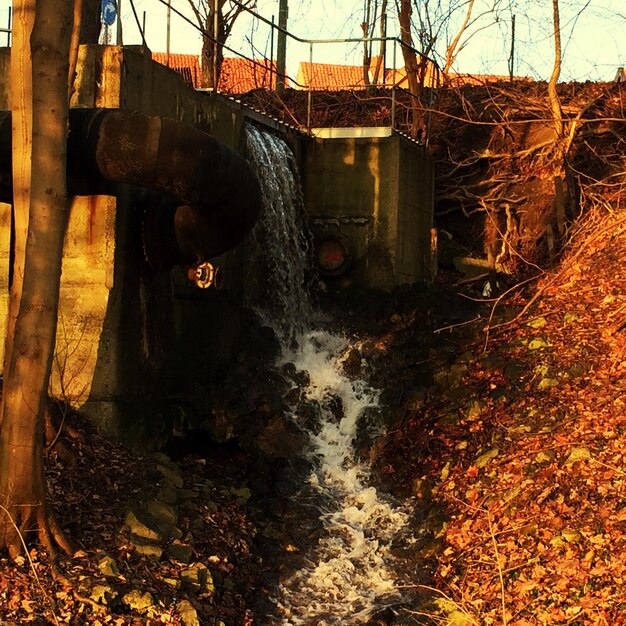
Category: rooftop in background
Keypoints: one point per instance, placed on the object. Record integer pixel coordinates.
(243, 75)
(334, 77)
(238, 75)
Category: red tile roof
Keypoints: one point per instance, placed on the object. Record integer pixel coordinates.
(242, 75)
(238, 75)
(332, 77)
(329, 77)
(187, 65)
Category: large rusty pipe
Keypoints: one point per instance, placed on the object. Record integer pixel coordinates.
(212, 196)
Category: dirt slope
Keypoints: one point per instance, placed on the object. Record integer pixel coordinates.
(524, 496)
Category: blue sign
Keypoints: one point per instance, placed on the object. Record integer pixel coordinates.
(109, 12)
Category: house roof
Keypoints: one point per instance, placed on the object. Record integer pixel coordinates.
(187, 65)
(333, 77)
(242, 75)
(237, 76)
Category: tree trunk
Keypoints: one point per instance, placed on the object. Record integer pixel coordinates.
(212, 46)
(555, 104)
(34, 301)
(411, 65)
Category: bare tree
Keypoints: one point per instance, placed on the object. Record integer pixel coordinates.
(216, 19)
(371, 17)
(40, 105)
(412, 67)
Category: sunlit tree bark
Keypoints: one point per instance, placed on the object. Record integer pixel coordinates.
(412, 68)
(39, 98)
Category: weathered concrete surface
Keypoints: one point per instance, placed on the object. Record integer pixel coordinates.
(378, 193)
(129, 337)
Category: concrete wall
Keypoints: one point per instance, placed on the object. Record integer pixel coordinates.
(129, 338)
(376, 192)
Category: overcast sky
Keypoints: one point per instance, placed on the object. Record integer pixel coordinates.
(593, 32)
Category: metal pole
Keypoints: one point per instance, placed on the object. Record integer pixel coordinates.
(512, 56)
(143, 28)
(9, 26)
(215, 41)
(168, 32)
(309, 95)
(393, 88)
(281, 46)
(119, 23)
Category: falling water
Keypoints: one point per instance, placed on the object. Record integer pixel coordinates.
(280, 238)
(350, 572)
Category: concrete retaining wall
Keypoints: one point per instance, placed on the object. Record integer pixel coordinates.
(376, 192)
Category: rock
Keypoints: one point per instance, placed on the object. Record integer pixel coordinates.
(171, 474)
(168, 494)
(148, 549)
(281, 438)
(187, 494)
(514, 370)
(242, 493)
(162, 513)
(104, 594)
(180, 552)
(161, 458)
(138, 601)
(108, 567)
(144, 528)
(188, 614)
(198, 579)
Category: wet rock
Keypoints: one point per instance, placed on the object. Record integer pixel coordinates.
(299, 377)
(281, 438)
(333, 404)
(369, 427)
(352, 363)
(309, 414)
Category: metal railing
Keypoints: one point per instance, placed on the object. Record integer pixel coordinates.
(392, 75)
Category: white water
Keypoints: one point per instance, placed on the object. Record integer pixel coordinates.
(350, 572)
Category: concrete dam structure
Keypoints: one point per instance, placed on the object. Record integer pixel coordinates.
(162, 195)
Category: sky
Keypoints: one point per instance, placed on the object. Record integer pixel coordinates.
(593, 32)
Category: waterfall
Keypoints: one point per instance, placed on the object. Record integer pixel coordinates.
(282, 249)
(349, 572)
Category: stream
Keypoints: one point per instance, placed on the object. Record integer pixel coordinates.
(347, 571)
